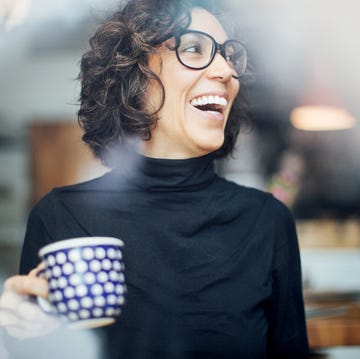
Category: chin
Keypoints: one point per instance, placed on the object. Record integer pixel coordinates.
(211, 147)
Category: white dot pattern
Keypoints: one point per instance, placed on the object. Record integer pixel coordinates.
(100, 253)
(86, 302)
(100, 301)
(102, 277)
(56, 271)
(106, 264)
(58, 295)
(119, 289)
(75, 279)
(62, 282)
(69, 292)
(98, 312)
(86, 283)
(95, 265)
(114, 276)
(110, 312)
(53, 283)
(88, 253)
(51, 260)
(96, 289)
(84, 314)
(74, 255)
(81, 290)
(121, 300)
(111, 299)
(109, 287)
(73, 304)
(111, 253)
(89, 278)
(61, 258)
(61, 307)
(117, 265)
(73, 316)
(68, 268)
(81, 267)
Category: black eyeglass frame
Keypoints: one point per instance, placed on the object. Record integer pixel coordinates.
(216, 48)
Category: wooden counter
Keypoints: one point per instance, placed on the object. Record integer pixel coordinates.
(329, 233)
(331, 324)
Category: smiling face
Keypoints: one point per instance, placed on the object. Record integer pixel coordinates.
(197, 104)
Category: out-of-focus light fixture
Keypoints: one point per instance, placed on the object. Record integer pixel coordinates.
(322, 109)
(13, 12)
(321, 118)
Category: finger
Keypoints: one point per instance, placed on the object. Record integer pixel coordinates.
(34, 272)
(27, 285)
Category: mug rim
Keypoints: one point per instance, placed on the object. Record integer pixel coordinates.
(80, 242)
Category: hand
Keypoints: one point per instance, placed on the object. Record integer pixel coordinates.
(19, 315)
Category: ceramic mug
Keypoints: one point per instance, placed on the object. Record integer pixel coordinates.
(86, 280)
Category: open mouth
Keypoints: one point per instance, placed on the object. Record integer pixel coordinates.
(209, 103)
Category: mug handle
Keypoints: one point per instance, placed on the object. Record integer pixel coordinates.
(43, 303)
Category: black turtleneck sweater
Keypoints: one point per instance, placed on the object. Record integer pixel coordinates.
(212, 268)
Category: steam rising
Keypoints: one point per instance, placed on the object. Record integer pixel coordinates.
(63, 343)
(288, 39)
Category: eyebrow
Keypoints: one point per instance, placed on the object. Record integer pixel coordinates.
(226, 35)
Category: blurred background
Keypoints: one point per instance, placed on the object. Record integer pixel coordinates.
(304, 146)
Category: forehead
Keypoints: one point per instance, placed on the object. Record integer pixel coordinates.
(202, 20)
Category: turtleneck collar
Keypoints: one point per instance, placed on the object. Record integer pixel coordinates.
(169, 174)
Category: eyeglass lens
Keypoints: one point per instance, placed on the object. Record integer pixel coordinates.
(197, 50)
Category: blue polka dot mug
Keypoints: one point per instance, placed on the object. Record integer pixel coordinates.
(86, 280)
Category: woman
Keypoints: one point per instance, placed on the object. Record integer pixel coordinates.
(212, 268)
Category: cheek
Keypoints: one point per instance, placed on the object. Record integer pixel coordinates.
(175, 95)
(154, 92)
(235, 86)
(178, 82)
(234, 91)
(152, 99)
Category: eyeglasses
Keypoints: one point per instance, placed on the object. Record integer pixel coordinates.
(196, 50)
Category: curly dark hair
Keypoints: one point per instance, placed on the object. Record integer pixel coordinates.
(115, 75)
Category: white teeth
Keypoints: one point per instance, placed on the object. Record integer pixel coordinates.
(206, 100)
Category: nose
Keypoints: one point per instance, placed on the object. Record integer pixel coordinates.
(219, 68)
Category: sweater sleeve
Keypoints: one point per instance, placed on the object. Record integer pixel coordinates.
(287, 328)
(40, 225)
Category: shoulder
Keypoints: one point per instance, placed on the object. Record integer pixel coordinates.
(256, 194)
(98, 183)
(268, 215)
(264, 206)
(66, 211)
(48, 204)
(242, 193)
